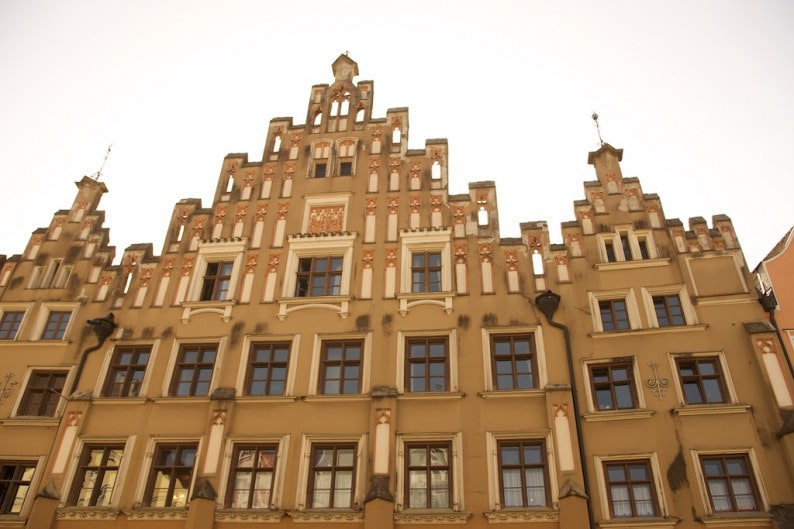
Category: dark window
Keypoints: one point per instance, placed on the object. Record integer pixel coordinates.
(43, 393)
(170, 476)
(15, 478)
(126, 371)
(346, 168)
(217, 280)
(523, 478)
(428, 471)
(626, 245)
(630, 489)
(426, 272)
(701, 380)
(251, 478)
(267, 369)
(57, 321)
(609, 247)
(96, 476)
(614, 315)
(320, 170)
(643, 244)
(513, 362)
(319, 276)
(193, 370)
(613, 386)
(340, 368)
(426, 364)
(668, 310)
(9, 324)
(730, 482)
(332, 476)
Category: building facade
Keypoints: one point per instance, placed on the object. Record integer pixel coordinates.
(338, 341)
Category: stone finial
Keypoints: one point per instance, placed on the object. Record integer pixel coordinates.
(344, 68)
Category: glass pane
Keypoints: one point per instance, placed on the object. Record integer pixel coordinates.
(344, 457)
(322, 499)
(712, 467)
(352, 352)
(438, 350)
(638, 472)
(417, 457)
(245, 458)
(417, 479)
(439, 498)
(616, 473)
(525, 382)
(510, 455)
(281, 354)
(532, 455)
(277, 388)
(333, 352)
(713, 390)
(692, 393)
(438, 457)
(504, 367)
(736, 466)
(623, 394)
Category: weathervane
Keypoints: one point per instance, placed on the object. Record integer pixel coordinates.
(101, 167)
(598, 129)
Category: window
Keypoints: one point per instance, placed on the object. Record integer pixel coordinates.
(43, 393)
(125, 374)
(15, 480)
(217, 279)
(9, 324)
(96, 476)
(614, 315)
(730, 483)
(613, 386)
(347, 150)
(340, 368)
(171, 475)
(523, 480)
(426, 272)
(251, 476)
(321, 153)
(428, 469)
(427, 364)
(332, 476)
(57, 322)
(668, 310)
(702, 381)
(626, 245)
(513, 362)
(320, 170)
(345, 168)
(193, 370)
(630, 489)
(267, 369)
(319, 276)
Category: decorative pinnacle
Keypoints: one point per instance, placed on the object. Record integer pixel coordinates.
(101, 167)
(598, 129)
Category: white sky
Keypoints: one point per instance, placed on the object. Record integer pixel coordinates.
(699, 94)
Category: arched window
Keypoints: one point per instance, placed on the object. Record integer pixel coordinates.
(229, 183)
(344, 107)
(435, 170)
(537, 263)
(347, 150)
(334, 108)
(360, 115)
(318, 117)
(322, 150)
(276, 143)
(482, 216)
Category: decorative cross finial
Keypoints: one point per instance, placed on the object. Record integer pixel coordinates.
(598, 129)
(101, 167)
(347, 53)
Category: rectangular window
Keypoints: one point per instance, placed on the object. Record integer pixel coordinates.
(125, 374)
(609, 248)
(523, 480)
(614, 315)
(9, 324)
(668, 310)
(630, 489)
(217, 279)
(345, 168)
(267, 369)
(701, 380)
(332, 476)
(613, 386)
(426, 272)
(170, 475)
(514, 363)
(427, 364)
(55, 328)
(251, 478)
(320, 170)
(43, 393)
(193, 370)
(428, 471)
(15, 479)
(319, 276)
(96, 476)
(340, 368)
(730, 483)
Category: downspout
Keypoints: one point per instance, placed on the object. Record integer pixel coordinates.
(768, 301)
(548, 303)
(103, 328)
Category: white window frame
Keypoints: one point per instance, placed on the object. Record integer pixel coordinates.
(492, 450)
(336, 199)
(121, 477)
(353, 158)
(165, 390)
(148, 460)
(211, 252)
(322, 151)
(44, 313)
(35, 484)
(67, 385)
(16, 307)
(456, 464)
(703, 486)
(730, 388)
(366, 362)
(647, 294)
(603, 494)
(608, 295)
(277, 487)
(633, 236)
(292, 365)
(304, 467)
(425, 241)
(635, 372)
(147, 375)
(452, 343)
(540, 351)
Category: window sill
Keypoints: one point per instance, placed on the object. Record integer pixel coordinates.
(87, 513)
(191, 308)
(12, 520)
(738, 519)
(617, 415)
(248, 515)
(654, 330)
(712, 409)
(511, 394)
(263, 399)
(431, 396)
(649, 522)
(329, 516)
(171, 399)
(628, 265)
(30, 421)
(358, 397)
(32, 343)
(157, 513)
(339, 304)
(431, 516)
(120, 400)
(413, 299)
(536, 514)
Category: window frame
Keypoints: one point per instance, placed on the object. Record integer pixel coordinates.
(281, 443)
(150, 476)
(112, 367)
(726, 382)
(43, 316)
(198, 367)
(522, 466)
(660, 501)
(364, 369)
(312, 275)
(343, 363)
(760, 494)
(634, 376)
(305, 466)
(437, 241)
(427, 270)
(32, 485)
(649, 293)
(249, 342)
(81, 467)
(7, 309)
(327, 246)
(343, 146)
(513, 358)
(58, 395)
(324, 147)
(612, 246)
(427, 360)
(630, 484)
(455, 443)
(541, 377)
(173, 358)
(632, 311)
(269, 365)
(255, 471)
(212, 252)
(214, 280)
(403, 339)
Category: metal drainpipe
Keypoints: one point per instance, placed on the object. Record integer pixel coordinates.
(547, 303)
(103, 328)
